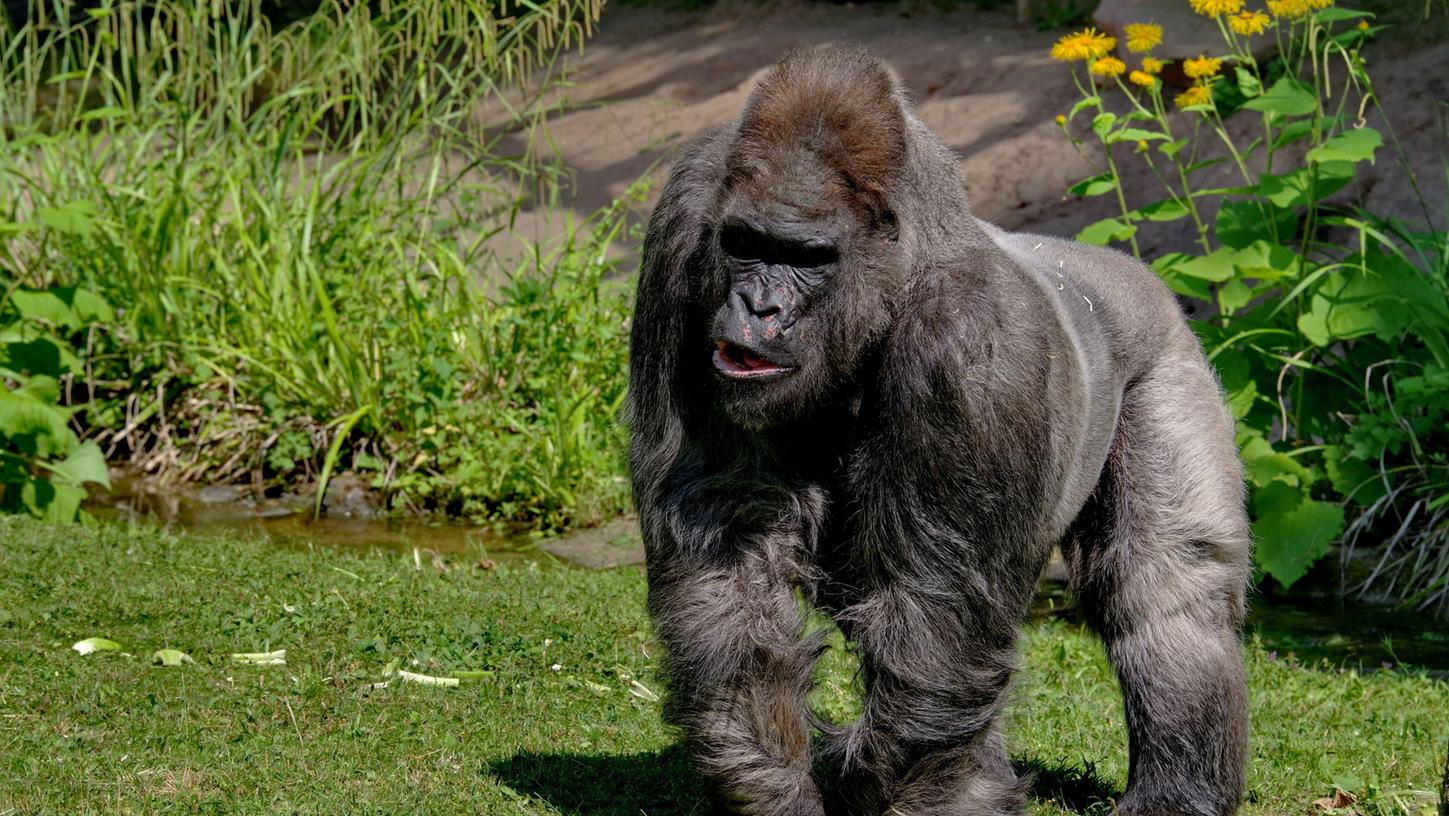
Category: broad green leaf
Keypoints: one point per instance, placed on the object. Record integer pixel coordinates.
(1240, 400)
(1388, 299)
(1136, 135)
(1352, 478)
(1240, 223)
(1350, 146)
(1304, 185)
(41, 356)
(1106, 231)
(1334, 14)
(1094, 186)
(1083, 104)
(1248, 84)
(84, 464)
(1292, 132)
(1171, 149)
(1216, 266)
(1103, 123)
(1165, 210)
(1292, 532)
(32, 423)
(1233, 296)
(1287, 97)
(51, 501)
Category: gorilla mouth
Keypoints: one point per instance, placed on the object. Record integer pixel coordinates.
(739, 363)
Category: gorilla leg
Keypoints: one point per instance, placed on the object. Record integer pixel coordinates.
(739, 667)
(1160, 560)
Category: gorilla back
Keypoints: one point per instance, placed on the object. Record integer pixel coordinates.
(845, 387)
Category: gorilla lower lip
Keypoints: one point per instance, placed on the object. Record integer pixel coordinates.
(737, 363)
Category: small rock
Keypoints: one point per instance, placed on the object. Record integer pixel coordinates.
(219, 494)
(349, 496)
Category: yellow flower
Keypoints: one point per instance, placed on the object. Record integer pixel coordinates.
(1089, 43)
(1143, 37)
(1319, 4)
(1212, 8)
(1142, 78)
(1152, 66)
(1363, 25)
(1248, 23)
(1061, 120)
(1288, 9)
(1196, 95)
(1141, 145)
(1108, 67)
(1202, 67)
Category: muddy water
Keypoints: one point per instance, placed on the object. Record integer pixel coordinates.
(288, 521)
(1308, 630)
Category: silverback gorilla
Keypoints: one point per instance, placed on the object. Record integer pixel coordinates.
(846, 391)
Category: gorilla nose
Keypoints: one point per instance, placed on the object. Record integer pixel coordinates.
(758, 304)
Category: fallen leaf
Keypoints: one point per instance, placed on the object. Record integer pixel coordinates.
(96, 644)
(171, 657)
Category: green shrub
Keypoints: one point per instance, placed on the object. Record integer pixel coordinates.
(1331, 331)
(43, 466)
(298, 230)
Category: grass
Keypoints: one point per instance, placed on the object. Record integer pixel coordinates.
(552, 726)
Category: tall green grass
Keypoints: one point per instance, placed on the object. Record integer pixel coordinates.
(298, 227)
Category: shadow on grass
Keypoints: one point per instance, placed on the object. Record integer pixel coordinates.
(665, 783)
(1074, 788)
(662, 783)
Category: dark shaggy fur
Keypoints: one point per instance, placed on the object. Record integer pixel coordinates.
(905, 409)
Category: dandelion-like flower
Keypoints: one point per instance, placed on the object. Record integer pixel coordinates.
(1363, 25)
(1143, 78)
(1249, 23)
(1319, 4)
(1108, 67)
(1152, 66)
(1196, 95)
(1061, 120)
(1288, 9)
(1141, 145)
(1202, 67)
(1143, 37)
(1212, 8)
(1089, 43)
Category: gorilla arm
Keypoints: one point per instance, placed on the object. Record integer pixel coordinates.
(724, 537)
(978, 424)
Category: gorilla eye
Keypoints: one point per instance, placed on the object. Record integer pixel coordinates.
(745, 243)
(742, 243)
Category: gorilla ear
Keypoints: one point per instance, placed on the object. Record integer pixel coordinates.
(842, 105)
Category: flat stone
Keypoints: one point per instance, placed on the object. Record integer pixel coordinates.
(220, 494)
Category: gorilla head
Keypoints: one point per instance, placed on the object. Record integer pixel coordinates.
(806, 252)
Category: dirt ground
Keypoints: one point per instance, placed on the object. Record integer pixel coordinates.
(654, 78)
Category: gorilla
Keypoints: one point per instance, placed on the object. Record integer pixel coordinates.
(848, 393)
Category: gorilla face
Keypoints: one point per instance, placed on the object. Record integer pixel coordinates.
(783, 332)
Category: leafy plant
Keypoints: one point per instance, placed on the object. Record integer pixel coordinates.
(44, 467)
(305, 229)
(1328, 326)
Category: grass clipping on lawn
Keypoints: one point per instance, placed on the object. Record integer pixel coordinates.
(548, 716)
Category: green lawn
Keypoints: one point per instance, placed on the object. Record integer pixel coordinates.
(554, 727)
